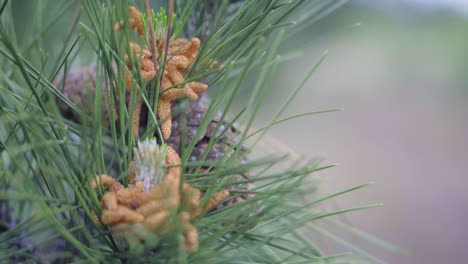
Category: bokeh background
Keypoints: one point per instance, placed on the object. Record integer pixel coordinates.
(399, 70)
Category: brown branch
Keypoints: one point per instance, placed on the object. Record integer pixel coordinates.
(151, 33)
(170, 11)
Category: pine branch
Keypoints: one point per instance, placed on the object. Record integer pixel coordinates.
(49, 209)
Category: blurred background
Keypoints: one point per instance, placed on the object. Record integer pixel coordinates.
(399, 70)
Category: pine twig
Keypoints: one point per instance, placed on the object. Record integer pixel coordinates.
(151, 33)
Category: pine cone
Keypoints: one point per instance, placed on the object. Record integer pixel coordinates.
(79, 88)
(188, 117)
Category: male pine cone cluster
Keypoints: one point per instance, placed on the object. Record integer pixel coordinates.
(181, 54)
(153, 199)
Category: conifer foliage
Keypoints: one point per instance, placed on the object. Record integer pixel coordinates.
(120, 142)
